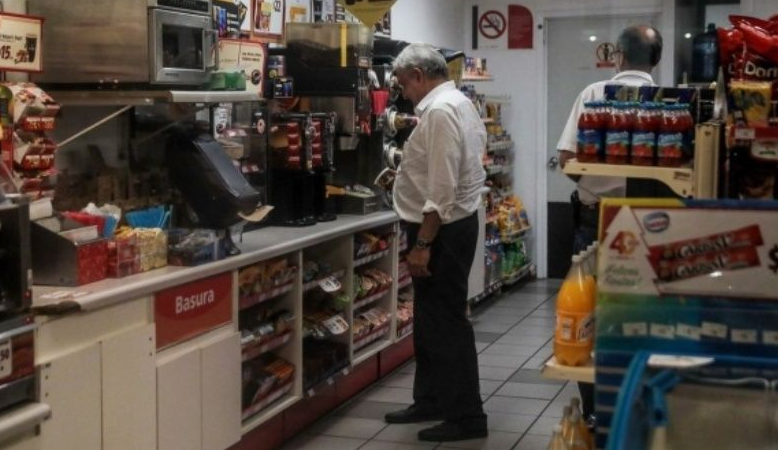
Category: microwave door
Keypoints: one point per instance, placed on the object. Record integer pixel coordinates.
(182, 47)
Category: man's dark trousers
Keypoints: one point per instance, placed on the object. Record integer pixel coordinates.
(446, 360)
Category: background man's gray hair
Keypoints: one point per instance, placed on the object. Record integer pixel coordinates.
(424, 57)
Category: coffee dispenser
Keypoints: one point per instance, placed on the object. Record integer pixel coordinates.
(301, 158)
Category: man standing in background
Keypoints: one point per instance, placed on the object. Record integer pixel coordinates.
(638, 51)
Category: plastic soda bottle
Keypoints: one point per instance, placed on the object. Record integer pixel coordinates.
(567, 411)
(557, 441)
(573, 338)
(577, 440)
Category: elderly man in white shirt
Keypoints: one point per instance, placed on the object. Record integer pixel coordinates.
(437, 192)
(638, 51)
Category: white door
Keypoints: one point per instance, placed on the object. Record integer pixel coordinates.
(571, 48)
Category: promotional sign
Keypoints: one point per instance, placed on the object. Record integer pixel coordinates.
(183, 312)
(268, 17)
(368, 11)
(324, 11)
(298, 11)
(21, 43)
(249, 58)
(245, 20)
(502, 27)
(228, 17)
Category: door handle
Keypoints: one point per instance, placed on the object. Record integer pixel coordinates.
(553, 162)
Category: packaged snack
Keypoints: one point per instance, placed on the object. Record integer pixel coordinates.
(752, 99)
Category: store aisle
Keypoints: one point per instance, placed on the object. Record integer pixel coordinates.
(514, 337)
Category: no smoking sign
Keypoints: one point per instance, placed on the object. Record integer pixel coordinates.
(492, 24)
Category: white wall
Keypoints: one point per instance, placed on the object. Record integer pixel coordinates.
(436, 22)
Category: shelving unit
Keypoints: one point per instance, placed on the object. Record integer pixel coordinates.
(553, 370)
(679, 179)
(476, 78)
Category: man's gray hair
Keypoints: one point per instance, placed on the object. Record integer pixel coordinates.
(424, 57)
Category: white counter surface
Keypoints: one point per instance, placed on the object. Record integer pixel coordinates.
(256, 246)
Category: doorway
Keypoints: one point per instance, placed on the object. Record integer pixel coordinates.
(571, 55)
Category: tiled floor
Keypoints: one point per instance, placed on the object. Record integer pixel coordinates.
(513, 338)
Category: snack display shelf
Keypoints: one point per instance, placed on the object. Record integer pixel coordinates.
(513, 237)
(553, 370)
(679, 179)
(404, 283)
(368, 300)
(472, 78)
(267, 401)
(518, 275)
(252, 349)
(255, 299)
(370, 350)
(340, 370)
(487, 292)
(405, 330)
(499, 146)
(370, 258)
(270, 411)
(371, 337)
(312, 284)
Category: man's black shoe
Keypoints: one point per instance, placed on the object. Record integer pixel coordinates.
(413, 414)
(455, 431)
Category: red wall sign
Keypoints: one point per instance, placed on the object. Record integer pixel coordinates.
(186, 311)
(520, 27)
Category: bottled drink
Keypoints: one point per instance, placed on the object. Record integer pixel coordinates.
(618, 131)
(674, 140)
(574, 318)
(565, 422)
(647, 123)
(557, 441)
(591, 132)
(577, 440)
(588, 269)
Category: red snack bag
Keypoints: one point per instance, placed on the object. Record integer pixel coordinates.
(731, 51)
(749, 236)
(761, 42)
(731, 259)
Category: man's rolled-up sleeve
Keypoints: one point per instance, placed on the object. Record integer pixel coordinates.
(444, 160)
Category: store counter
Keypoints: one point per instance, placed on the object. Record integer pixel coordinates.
(255, 246)
(156, 360)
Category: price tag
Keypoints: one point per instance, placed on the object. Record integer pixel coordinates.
(634, 329)
(770, 337)
(6, 359)
(712, 329)
(745, 134)
(672, 361)
(688, 331)
(662, 331)
(744, 336)
(330, 284)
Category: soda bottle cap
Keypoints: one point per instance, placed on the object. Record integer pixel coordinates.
(575, 417)
(567, 410)
(576, 259)
(557, 429)
(575, 402)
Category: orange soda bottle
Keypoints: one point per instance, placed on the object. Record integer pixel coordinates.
(577, 440)
(557, 441)
(573, 339)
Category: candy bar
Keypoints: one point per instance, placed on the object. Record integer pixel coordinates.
(731, 259)
(742, 237)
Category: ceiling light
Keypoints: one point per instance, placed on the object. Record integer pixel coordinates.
(592, 38)
(687, 35)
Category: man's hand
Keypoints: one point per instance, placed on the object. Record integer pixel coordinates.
(418, 262)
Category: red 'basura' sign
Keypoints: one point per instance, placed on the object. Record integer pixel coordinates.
(520, 29)
(186, 311)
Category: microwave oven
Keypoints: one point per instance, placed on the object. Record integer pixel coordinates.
(126, 42)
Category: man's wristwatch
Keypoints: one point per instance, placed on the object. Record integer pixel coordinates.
(421, 244)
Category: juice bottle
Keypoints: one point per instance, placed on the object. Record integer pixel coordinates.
(557, 441)
(688, 125)
(647, 123)
(617, 134)
(672, 139)
(574, 318)
(591, 129)
(588, 268)
(567, 411)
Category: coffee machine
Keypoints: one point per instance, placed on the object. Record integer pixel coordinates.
(301, 158)
(17, 357)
